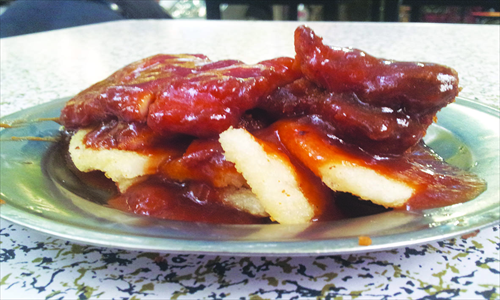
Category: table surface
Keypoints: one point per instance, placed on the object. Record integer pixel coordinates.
(41, 67)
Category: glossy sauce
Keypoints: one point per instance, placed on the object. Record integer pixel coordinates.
(192, 202)
(190, 187)
(379, 130)
(435, 182)
(317, 194)
(124, 136)
(203, 161)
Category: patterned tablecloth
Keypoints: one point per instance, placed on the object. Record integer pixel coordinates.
(42, 67)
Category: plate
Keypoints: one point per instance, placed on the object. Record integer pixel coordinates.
(41, 195)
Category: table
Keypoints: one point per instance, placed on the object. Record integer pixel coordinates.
(40, 67)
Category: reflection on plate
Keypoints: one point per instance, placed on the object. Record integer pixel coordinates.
(38, 196)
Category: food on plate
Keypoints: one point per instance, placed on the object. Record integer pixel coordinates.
(414, 179)
(186, 94)
(381, 105)
(124, 167)
(273, 178)
(285, 140)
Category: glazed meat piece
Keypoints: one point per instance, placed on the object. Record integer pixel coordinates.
(127, 93)
(378, 130)
(203, 161)
(383, 106)
(179, 93)
(124, 136)
(208, 103)
(412, 86)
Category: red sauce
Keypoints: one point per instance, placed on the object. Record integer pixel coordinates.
(124, 136)
(436, 183)
(193, 202)
(378, 130)
(189, 187)
(318, 195)
(203, 161)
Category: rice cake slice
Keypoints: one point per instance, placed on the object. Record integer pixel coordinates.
(124, 167)
(341, 171)
(127, 168)
(243, 199)
(271, 177)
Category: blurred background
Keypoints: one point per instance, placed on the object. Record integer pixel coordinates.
(28, 16)
(451, 11)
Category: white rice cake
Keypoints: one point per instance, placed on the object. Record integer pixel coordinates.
(124, 167)
(272, 177)
(245, 200)
(343, 173)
